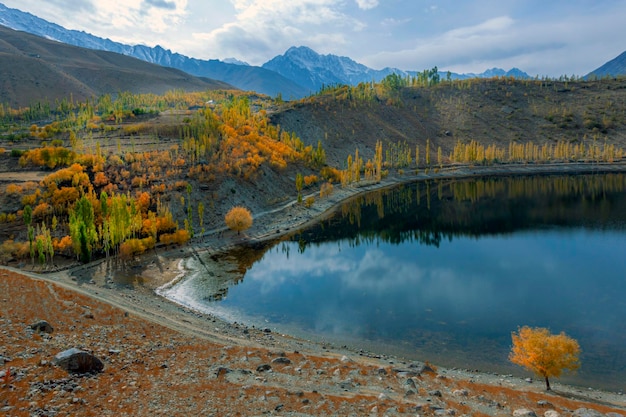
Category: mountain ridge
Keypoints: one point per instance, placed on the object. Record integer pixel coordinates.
(612, 68)
(313, 70)
(243, 77)
(34, 69)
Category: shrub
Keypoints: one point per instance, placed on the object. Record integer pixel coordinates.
(238, 219)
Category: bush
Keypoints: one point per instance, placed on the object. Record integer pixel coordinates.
(238, 219)
(180, 237)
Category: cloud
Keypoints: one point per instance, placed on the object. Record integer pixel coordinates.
(367, 4)
(390, 21)
(265, 28)
(538, 47)
(162, 4)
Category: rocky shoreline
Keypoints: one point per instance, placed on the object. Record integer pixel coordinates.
(277, 372)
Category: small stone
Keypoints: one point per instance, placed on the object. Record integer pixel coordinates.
(587, 412)
(42, 326)
(460, 393)
(222, 370)
(551, 413)
(281, 361)
(346, 385)
(263, 368)
(434, 393)
(524, 412)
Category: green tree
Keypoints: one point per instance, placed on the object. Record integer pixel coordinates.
(83, 229)
(299, 185)
(201, 215)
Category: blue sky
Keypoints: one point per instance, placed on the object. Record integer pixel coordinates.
(547, 37)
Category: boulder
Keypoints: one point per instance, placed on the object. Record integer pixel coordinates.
(42, 326)
(78, 361)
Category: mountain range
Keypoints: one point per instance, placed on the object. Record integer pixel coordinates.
(298, 72)
(35, 69)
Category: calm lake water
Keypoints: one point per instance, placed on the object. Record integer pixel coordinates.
(445, 271)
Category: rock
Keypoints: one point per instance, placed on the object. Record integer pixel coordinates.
(460, 393)
(281, 361)
(551, 413)
(614, 415)
(544, 403)
(524, 412)
(222, 370)
(263, 368)
(420, 367)
(434, 393)
(77, 361)
(587, 412)
(42, 326)
(411, 383)
(507, 110)
(406, 373)
(346, 385)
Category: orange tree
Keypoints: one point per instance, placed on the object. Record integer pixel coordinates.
(238, 218)
(543, 353)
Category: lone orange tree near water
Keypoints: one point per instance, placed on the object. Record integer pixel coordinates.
(239, 219)
(543, 353)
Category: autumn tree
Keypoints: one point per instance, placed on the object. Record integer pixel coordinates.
(239, 219)
(299, 184)
(543, 353)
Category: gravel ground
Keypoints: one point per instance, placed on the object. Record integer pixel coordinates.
(163, 359)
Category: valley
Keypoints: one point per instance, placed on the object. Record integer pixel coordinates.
(114, 170)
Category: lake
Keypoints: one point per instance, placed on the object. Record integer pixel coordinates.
(444, 271)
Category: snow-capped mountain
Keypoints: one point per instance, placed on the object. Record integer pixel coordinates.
(298, 72)
(312, 70)
(247, 78)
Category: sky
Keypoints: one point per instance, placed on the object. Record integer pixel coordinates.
(541, 37)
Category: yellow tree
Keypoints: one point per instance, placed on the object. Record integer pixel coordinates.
(543, 353)
(238, 218)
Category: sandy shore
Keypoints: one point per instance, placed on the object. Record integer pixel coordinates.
(161, 267)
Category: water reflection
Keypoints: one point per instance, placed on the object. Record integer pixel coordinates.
(445, 271)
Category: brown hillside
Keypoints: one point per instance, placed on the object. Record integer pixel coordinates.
(35, 68)
(488, 111)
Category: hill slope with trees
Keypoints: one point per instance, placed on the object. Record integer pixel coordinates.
(118, 176)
